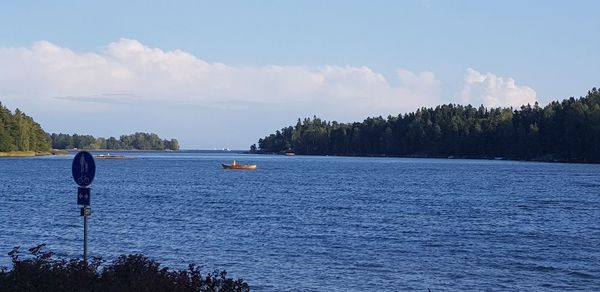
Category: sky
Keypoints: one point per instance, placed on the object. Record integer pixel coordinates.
(222, 74)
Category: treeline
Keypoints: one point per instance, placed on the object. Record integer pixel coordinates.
(19, 132)
(137, 141)
(561, 131)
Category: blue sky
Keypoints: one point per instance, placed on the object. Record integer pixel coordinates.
(224, 74)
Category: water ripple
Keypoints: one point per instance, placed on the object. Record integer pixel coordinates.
(323, 223)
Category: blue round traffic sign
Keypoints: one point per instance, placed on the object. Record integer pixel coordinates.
(83, 168)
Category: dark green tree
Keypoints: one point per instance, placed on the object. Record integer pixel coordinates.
(19, 132)
(563, 131)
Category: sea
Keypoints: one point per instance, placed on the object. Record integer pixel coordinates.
(321, 223)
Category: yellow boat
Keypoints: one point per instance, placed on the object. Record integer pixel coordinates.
(235, 165)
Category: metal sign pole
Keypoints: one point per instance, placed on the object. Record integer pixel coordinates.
(86, 211)
(85, 237)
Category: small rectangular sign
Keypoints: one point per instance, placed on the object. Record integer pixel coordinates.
(83, 196)
(85, 211)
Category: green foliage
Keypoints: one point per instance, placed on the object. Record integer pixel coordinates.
(41, 272)
(19, 132)
(137, 141)
(561, 131)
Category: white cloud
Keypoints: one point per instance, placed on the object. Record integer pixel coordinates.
(129, 72)
(129, 87)
(491, 90)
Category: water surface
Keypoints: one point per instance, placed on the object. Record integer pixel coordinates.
(308, 223)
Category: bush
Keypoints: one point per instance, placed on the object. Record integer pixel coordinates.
(41, 272)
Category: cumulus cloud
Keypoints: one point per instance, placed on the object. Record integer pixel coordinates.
(491, 90)
(99, 90)
(128, 71)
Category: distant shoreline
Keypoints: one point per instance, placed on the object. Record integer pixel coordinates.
(33, 153)
(547, 160)
(119, 150)
(67, 151)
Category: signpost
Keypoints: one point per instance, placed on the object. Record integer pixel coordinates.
(84, 170)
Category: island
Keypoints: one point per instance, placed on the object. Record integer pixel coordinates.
(21, 136)
(136, 141)
(561, 131)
